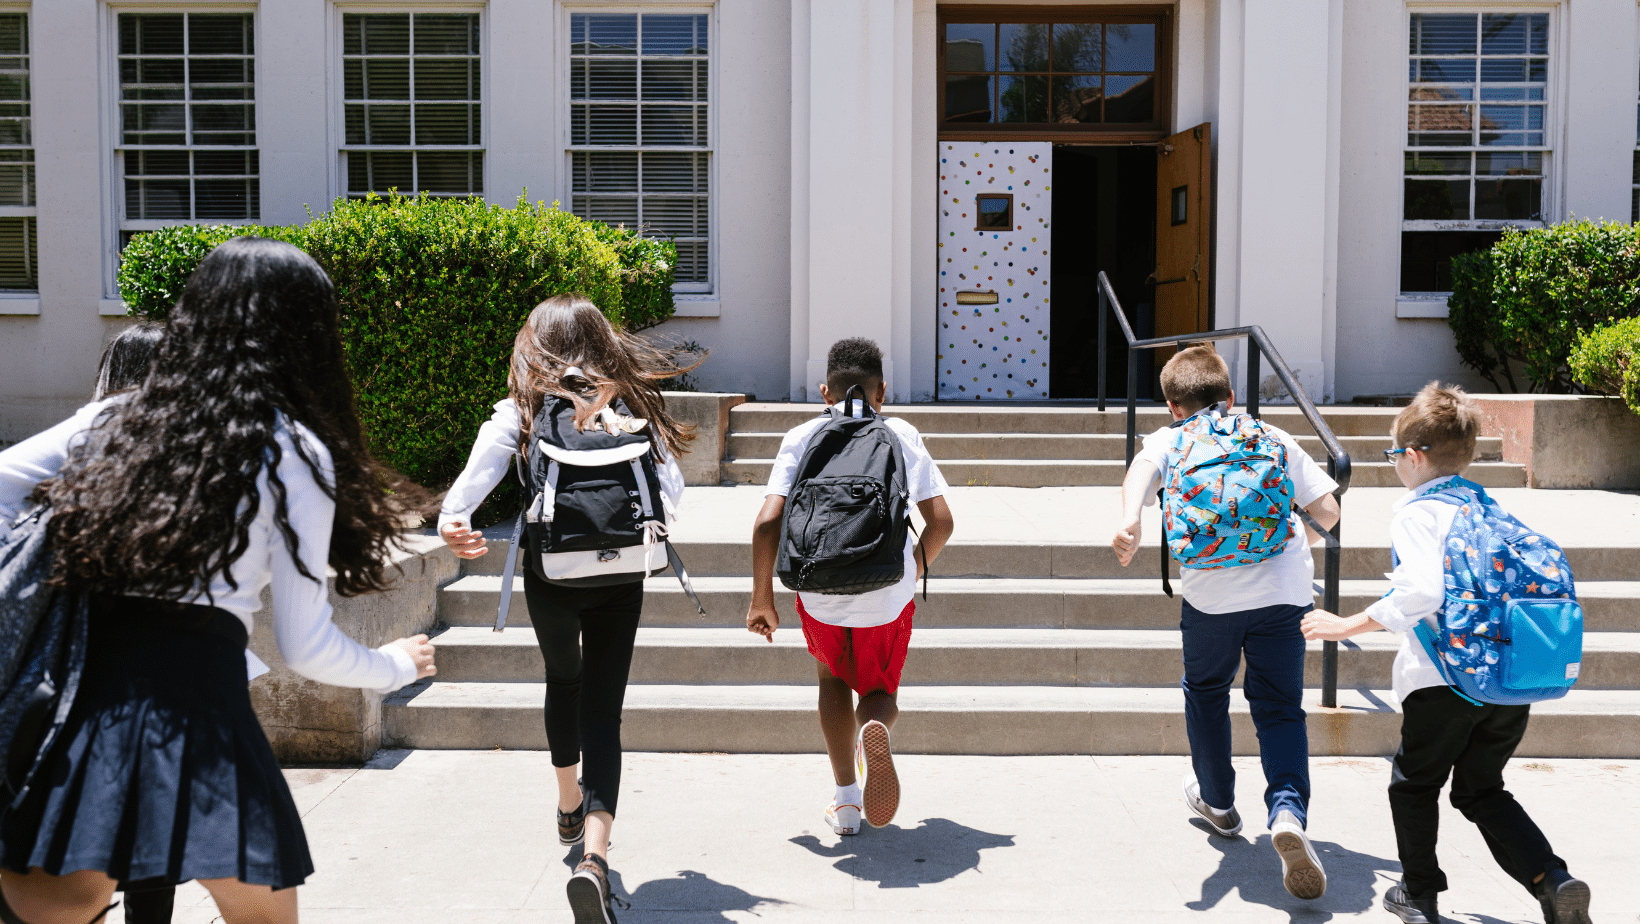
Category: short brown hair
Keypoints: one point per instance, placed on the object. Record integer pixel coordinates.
(1196, 377)
(1443, 418)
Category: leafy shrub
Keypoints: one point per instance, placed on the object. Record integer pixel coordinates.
(1607, 360)
(1530, 297)
(432, 292)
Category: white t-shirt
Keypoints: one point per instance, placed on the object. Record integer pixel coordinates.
(1417, 586)
(923, 480)
(1281, 580)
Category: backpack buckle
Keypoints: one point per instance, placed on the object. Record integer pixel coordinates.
(608, 555)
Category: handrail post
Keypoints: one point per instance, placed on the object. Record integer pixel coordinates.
(1132, 402)
(1104, 323)
(1331, 564)
(1250, 401)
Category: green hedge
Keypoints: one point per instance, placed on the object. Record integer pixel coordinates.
(432, 292)
(1535, 292)
(1607, 360)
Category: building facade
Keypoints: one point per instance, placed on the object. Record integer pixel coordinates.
(946, 178)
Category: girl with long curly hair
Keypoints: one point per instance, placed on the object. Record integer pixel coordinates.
(237, 466)
(568, 349)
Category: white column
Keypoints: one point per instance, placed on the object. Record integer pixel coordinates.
(295, 52)
(1598, 133)
(523, 57)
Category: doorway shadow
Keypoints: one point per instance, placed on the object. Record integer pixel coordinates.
(1253, 869)
(935, 850)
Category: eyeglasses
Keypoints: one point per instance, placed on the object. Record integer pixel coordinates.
(1390, 454)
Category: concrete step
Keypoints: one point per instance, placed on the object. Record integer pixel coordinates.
(1012, 656)
(1034, 473)
(770, 417)
(1093, 559)
(1071, 603)
(1092, 447)
(780, 718)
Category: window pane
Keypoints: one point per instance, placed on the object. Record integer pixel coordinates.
(1443, 33)
(674, 172)
(379, 171)
(446, 79)
(383, 33)
(1078, 47)
(605, 171)
(1439, 200)
(386, 79)
(671, 80)
(447, 123)
(224, 124)
(156, 163)
(386, 124)
(1433, 163)
(674, 125)
(151, 33)
(225, 163)
(1511, 93)
(1023, 99)
(1443, 70)
(1078, 99)
(610, 210)
(1426, 256)
(220, 34)
(1514, 33)
(17, 178)
(1509, 163)
(675, 217)
(446, 33)
(14, 34)
(691, 262)
(968, 99)
(604, 34)
(225, 198)
(674, 35)
(456, 172)
(1517, 199)
(611, 125)
(609, 79)
(970, 46)
(1024, 48)
(1437, 125)
(1130, 47)
(1130, 99)
(156, 199)
(19, 256)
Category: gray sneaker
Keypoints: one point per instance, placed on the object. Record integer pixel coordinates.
(1301, 870)
(1410, 910)
(1565, 899)
(1225, 824)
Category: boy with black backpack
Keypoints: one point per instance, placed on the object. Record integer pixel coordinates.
(1490, 624)
(1232, 490)
(836, 526)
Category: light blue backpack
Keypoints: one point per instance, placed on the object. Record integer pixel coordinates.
(1228, 500)
(1511, 630)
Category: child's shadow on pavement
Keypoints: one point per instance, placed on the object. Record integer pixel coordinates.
(690, 895)
(1254, 869)
(900, 858)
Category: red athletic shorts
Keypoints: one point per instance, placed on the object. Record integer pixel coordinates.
(867, 659)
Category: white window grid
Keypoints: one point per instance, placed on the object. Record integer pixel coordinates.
(629, 177)
(374, 163)
(19, 246)
(149, 158)
(1508, 121)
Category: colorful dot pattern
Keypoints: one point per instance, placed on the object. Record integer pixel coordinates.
(994, 352)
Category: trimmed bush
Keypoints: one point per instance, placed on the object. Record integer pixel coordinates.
(432, 292)
(1607, 360)
(1536, 292)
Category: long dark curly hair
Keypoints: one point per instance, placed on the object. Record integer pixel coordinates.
(161, 495)
(569, 330)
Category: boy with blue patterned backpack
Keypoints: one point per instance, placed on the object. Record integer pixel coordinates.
(1233, 491)
(1491, 624)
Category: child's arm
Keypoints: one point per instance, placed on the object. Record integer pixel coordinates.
(937, 528)
(1136, 487)
(761, 616)
(1325, 510)
(1417, 585)
(1320, 625)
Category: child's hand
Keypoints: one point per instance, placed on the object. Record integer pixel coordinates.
(763, 620)
(421, 652)
(1126, 542)
(466, 543)
(1320, 625)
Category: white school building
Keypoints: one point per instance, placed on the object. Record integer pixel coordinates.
(946, 178)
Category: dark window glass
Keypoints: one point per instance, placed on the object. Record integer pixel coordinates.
(1426, 256)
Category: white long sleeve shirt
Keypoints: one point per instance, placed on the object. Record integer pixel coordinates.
(309, 641)
(493, 453)
(1417, 532)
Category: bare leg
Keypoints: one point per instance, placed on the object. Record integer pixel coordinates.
(41, 898)
(243, 903)
(598, 825)
(880, 706)
(569, 791)
(837, 725)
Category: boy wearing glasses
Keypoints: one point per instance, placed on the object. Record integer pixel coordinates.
(1443, 734)
(1252, 609)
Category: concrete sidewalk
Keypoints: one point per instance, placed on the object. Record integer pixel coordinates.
(466, 837)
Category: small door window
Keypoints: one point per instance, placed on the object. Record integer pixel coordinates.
(994, 212)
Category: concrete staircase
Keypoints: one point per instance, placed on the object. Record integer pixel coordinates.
(1032, 640)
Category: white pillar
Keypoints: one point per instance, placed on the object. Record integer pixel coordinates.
(298, 155)
(1598, 133)
(522, 58)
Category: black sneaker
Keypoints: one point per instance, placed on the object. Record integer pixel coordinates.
(589, 895)
(572, 826)
(1399, 902)
(1565, 899)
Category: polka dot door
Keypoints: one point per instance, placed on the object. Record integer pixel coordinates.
(995, 227)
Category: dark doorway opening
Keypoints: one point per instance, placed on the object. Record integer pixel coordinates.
(1104, 218)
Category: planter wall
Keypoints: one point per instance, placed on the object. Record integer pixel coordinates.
(709, 412)
(1567, 441)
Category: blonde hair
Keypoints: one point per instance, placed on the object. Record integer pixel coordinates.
(1196, 377)
(1443, 418)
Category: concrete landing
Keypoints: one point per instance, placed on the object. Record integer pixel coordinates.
(464, 837)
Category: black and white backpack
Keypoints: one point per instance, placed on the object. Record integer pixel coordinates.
(594, 512)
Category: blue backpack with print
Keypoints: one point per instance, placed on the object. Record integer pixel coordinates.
(1511, 630)
(1228, 499)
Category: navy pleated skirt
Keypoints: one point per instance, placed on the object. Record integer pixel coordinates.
(163, 771)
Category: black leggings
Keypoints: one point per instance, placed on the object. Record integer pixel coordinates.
(586, 636)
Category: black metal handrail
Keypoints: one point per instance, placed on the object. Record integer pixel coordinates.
(1338, 461)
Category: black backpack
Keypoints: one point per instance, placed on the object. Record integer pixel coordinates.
(43, 633)
(594, 513)
(844, 528)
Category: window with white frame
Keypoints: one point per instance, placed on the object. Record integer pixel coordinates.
(411, 104)
(187, 115)
(640, 153)
(18, 250)
(1477, 148)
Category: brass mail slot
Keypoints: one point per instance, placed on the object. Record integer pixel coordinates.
(976, 297)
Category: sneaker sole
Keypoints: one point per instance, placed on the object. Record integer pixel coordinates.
(580, 836)
(1301, 873)
(1572, 902)
(1189, 802)
(882, 790)
(1406, 914)
(586, 900)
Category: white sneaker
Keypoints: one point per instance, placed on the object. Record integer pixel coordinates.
(844, 819)
(1225, 824)
(881, 783)
(1301, 870)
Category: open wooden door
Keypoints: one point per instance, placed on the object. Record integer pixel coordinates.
(1184, 197)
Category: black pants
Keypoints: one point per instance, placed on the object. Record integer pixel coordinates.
(1442, 733)
(586, 636)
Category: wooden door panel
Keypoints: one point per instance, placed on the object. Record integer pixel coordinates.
(1184, 198)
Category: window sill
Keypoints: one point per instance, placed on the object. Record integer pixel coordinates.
(1421, 305)
(696, 306)
(19, 304)
(112, 308)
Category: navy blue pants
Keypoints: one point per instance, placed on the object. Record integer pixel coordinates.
(1213, 647)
